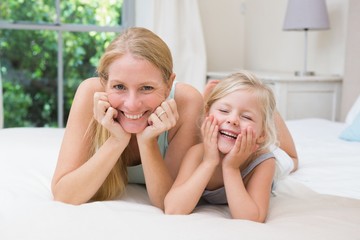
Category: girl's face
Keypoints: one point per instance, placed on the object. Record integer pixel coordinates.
(135, 88)
(235, 113)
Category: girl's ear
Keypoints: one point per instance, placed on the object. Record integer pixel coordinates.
(261, 138)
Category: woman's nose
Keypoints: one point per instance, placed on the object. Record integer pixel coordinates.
(132, 101)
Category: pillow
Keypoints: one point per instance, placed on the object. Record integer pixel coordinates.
(352, 132)
(354, 110)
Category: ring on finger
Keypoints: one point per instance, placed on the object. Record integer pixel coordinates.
(161, 113)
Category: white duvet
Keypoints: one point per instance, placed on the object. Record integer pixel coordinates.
(319, 201)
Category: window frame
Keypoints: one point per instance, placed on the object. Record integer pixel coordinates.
(127, 20)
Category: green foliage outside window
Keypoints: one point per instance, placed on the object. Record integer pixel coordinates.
(28, 58)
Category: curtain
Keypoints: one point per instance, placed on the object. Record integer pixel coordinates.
(1, 105)
(178, 23)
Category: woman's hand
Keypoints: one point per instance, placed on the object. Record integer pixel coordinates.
(106, 115)
(209, 131)
(244, 146)
(162, 119)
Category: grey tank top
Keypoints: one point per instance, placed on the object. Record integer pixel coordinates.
(135, 173)
(218, 196)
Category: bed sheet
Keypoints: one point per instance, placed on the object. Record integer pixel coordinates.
(327, 164)
(306, 205)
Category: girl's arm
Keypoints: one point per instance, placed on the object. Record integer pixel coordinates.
(247, 200)
(189, 186)
(196, 171)
(250, 201)
(76, 178)
(160, 174)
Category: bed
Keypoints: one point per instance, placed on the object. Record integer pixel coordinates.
(319, 201)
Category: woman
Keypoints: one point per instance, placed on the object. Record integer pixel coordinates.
(133, 123)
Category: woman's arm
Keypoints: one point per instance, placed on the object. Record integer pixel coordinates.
(76, 179)
(286, 142)
(159, 173)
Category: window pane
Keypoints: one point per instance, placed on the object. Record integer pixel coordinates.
(92, 12)
(29, 72)
(82, 51)
(28, 10)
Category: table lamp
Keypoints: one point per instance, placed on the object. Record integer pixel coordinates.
(305, 15)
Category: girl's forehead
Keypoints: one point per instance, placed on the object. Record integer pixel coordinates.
(237, 95)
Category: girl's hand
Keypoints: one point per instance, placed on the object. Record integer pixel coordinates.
(209, 131)
(105, 115)
(245, 145)
(162, 119)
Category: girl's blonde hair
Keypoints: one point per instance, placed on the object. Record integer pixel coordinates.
(244, 80)
(140, 43)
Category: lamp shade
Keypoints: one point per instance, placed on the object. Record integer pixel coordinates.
(306, 15)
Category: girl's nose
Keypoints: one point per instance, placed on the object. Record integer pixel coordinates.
(233, 120)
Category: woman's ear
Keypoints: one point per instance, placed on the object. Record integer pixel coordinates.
(171, 80)
(170, 83)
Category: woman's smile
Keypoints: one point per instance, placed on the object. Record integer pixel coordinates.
(132, 116)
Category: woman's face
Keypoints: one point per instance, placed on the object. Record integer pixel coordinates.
(235, 113)
(135, 88)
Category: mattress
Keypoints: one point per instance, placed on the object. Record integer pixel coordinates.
(319, 201)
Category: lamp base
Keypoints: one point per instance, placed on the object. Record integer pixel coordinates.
(302, 73)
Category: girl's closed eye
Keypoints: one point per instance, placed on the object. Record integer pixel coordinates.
(247, 117)
(223, 110)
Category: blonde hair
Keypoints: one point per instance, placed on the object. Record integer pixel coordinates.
(140, 43)
(244, 80)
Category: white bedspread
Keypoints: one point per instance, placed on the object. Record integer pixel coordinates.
(319, 201)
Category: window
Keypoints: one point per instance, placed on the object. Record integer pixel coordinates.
(47, 47)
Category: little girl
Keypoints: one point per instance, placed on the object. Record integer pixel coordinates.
(233, 165)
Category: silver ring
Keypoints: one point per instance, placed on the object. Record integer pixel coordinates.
(161, 113)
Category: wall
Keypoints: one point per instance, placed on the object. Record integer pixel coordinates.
(223, 27)
(351, 84)
(248, 34)
(269, 47)
(265, 46)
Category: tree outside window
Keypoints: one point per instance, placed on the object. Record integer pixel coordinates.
(47, 47)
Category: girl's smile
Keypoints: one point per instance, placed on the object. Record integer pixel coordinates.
(235, 113)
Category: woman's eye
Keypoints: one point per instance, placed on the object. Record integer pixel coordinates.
(147, 88)
(119, 87)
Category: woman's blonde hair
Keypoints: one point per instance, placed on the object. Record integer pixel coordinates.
(244, 80)
(140, 43)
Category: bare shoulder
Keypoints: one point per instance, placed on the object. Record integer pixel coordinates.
(267, 166)
(82, 107)
(90, 85)
(188, 96)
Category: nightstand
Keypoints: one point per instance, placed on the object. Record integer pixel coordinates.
(299, 97)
